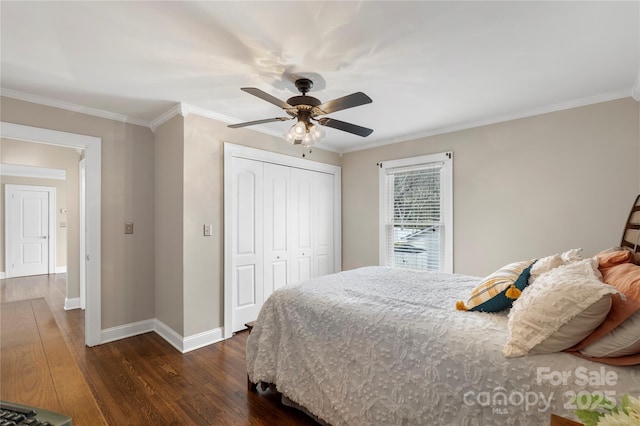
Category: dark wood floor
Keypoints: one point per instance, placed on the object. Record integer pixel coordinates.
(143, 380)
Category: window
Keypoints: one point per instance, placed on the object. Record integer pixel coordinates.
(416, 213)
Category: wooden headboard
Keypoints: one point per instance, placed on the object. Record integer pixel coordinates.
(631, 234)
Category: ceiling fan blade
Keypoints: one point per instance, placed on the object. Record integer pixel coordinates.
(267, 97)
(345, 127)
(252, 123)
(349, 101)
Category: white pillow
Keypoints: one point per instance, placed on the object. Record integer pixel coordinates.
(565, 293)
(545, 264)
(577, 329)
(621, 341)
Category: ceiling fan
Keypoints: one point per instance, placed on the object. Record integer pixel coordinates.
(307, 109)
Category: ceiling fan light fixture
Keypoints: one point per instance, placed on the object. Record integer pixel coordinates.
(299, 129)
(317, 133)
(307, 140)
(304, 132)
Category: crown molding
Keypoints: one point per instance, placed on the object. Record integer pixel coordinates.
(27, 97)
(190, 109)
(166, 116)
(184, 109)
(500, 119)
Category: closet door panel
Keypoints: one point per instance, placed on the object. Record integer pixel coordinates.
(276, 231)
(246, 286)
(301, 202)
(247, 241)
(323, 224)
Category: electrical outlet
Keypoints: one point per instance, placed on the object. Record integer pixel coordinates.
(208, 230)
(128, 228)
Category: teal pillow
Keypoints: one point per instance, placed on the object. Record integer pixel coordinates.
(498, 291)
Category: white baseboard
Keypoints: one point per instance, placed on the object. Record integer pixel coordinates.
(182, 344)
(73, 303)
(203, 339)
(61, 270)
(168, 334)
(187, 344)
(127, 330)
(2, 275)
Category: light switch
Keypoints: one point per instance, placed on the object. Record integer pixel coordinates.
(128, 228)
(208, 230)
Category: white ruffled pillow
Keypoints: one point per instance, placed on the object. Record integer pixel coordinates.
(563, 307)
(545, 264)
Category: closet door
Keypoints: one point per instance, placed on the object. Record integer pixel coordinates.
(276, 232)
(247, 241)
(301, 236)
(322, 229)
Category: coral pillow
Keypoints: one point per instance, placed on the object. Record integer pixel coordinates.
(614, 258)
(625, 278)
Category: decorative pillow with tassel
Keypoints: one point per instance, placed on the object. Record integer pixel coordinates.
(500, 289)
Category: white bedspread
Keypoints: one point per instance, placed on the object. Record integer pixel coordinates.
(381, 346)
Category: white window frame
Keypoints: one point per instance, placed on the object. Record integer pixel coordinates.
(446, 191)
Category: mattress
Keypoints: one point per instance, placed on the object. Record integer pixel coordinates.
(383, 346)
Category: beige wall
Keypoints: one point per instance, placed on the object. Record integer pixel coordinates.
(127, 196)
(67, 239)
(203, 203)
(169, 219)
(522, 189)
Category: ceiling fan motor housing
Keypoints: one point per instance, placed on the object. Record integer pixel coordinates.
(303, 85)
(298, 101)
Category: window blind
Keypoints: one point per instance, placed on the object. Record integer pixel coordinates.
(413, 224)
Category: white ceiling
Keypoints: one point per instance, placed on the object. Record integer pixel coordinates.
(429, 67)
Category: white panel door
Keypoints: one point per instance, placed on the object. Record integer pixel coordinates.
(322, 229)
(301, 225)
(29, 210)
(247, 241)
(276, 233)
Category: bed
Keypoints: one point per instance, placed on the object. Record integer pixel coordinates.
(385, 346)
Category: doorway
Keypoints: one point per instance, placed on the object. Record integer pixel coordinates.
(92, 260)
